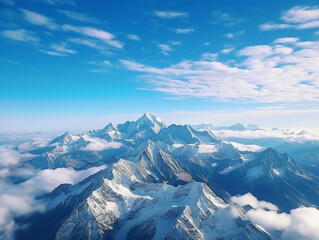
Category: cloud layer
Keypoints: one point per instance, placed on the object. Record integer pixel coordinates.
(300, 223)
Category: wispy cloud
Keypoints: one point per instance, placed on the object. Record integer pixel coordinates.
(103, 66)
(134, 37)
(20, 35)
(102, 35)
(59, 2)
(59, 50)
(264, 73)
(39, 19)
(78, 16)
(286, 40)
(227, 50)
(183, 30)
(299, 17)
(225, 19)
(62, 48)
(209, 56)
(165, 48)
(170, 14)
(233, 35)
(52, 53)
(95, 44)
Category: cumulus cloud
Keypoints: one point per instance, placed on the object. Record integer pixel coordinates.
(301, 14)
(20, 35)
(100, 145)
(170, 14)
(300, 223)
(298, 17)
(249, 199)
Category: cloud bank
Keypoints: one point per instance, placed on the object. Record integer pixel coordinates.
(300, 223)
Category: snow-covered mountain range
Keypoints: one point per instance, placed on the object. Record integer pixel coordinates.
(161, 182)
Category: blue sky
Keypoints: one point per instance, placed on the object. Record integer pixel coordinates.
(79, 64)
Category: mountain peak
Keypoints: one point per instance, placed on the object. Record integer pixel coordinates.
(150, 120)
(66, 137)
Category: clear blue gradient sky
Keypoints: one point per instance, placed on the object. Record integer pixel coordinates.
(80, 64)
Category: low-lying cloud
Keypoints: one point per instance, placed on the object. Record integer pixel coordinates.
(100, 145)
(300, 223)
(10, 157)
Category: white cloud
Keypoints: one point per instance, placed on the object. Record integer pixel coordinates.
(100, 145)
(183, 30)
(170, 14)
(286, 40)
(52, 53)
(205, 148)
(175, 43)
(48, 179)
(62, 48)
(209, 56)
(299, 17)
(133, 37)
(11, 157)
(39, 19)
(229, 35)
(301, 14)
(300, 223)
(244, 147)
(227, 50)
(20, 35)
(98, 45)
(269, 220)
(78, 16)
(274, 26)
(20, 199)
(264, 73)
(94, 33)
(165, 48)
(249, 199)
(258, 50)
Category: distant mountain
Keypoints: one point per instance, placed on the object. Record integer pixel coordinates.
(203, 126)
(238, 127)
